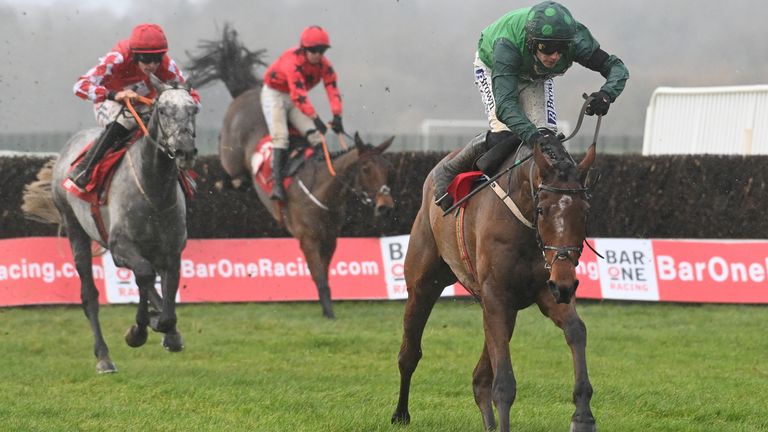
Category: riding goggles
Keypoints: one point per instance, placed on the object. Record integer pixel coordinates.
(148, 58)
(318, 49)
(550, 47)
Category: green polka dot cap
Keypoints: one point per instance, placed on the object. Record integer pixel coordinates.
(550, 21)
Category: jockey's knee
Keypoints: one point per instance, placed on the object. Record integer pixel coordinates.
(314, 137)
(280, 142)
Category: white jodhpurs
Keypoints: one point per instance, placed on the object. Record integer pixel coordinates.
(537, 99)
(279, 110)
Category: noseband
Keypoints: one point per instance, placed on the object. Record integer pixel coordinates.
(364, 196)
(561, 252)
(366, 199)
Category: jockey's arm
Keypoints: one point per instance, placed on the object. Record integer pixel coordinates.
(505, 83)
(591, 56)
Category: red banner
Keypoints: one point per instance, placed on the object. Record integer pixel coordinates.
(712, 271)
(275, 269)
(41, 271)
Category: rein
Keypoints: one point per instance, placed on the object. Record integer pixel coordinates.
(149, 102)
(561, 252)
(147, 136)
(327, 155)
(491, 180)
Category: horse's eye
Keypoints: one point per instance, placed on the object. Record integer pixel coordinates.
(539, 210)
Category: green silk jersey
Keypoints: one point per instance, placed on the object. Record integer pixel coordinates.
(502, 47)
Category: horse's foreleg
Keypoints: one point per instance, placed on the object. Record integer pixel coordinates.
(80, 243)
(566, 317)
(421, 300)
(318, 254)
(136, 335)
(172, 340)
(426, 275)
(127, 255)
(482, 380)
(498, 323)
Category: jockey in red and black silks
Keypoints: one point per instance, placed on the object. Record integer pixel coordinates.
(285, 99)
(123, 73)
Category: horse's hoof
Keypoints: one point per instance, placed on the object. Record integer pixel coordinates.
(105, 367)
(173, 342)
(401, 418)
(136, 336)
(329, 315)
(161, 325)
(583, 427)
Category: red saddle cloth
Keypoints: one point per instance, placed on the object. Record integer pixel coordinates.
(261, 164)
(462, 185)
(100, 177)
(103, 171)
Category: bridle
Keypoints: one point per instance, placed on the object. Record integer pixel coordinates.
(562, 253)
(161, 142)
(155, 119)
(364, 196)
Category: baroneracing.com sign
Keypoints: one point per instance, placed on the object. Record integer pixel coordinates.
(40, 270)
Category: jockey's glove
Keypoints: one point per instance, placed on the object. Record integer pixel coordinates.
(599, 104)
(320, 126)
(543, 138)
(336, 124)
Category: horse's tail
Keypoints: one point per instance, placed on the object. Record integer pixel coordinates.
(38, 197)
(226, 60)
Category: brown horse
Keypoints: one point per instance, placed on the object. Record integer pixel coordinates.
(314, 210)
(508, 263)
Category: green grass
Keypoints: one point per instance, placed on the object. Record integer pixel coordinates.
(281, 367)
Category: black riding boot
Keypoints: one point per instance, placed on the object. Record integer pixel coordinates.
(278, 162)
(447, 170)
(112, 134)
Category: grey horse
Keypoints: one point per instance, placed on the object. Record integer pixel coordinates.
(145, 218)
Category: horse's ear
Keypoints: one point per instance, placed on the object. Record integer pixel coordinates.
(358, 140)
(586, 162)
(545, 168)
(359, 144)
(158, 84)
(385, 145)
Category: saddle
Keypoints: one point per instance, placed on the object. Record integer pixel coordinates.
(463, 183)
(102, 172)
(101, 179)
(299, 150)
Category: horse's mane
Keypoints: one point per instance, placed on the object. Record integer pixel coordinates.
(367, 152)
(561, 161)
(226, 60)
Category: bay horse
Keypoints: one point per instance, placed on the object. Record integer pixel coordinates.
(314, 210)
(507, 263)
(144, 217)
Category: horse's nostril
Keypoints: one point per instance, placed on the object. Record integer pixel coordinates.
(383, 210)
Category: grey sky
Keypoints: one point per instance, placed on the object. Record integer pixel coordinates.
(399, 62)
